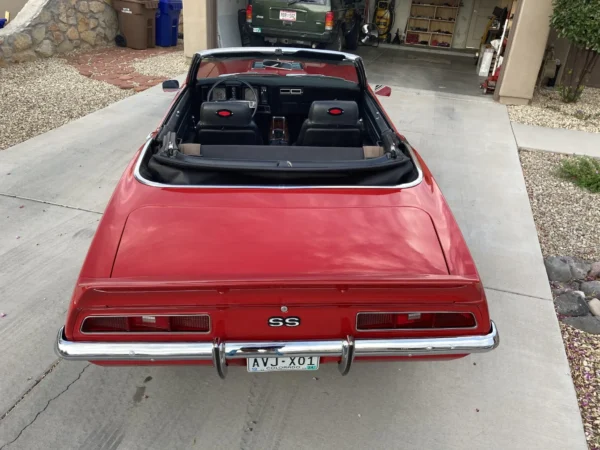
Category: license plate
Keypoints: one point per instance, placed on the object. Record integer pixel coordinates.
(283, 364)
(290, 16)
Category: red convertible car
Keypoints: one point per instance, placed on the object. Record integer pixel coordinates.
(277, 220)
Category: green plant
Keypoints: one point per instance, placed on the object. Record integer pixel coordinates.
(583, 171)
(579, 22)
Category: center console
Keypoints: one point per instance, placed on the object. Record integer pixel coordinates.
(278, 134)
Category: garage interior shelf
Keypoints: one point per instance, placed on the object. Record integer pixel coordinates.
(431, 24)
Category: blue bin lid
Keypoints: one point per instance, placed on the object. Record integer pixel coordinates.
(2, 22)
(170, 5)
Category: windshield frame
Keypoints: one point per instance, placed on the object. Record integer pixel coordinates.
(290, 53)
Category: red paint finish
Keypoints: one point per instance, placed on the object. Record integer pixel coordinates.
(234, 242)
(214, 68)
(239, 255)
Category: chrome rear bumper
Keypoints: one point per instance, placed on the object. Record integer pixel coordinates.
(220, 352)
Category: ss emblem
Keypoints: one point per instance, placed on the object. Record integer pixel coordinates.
(284, 321)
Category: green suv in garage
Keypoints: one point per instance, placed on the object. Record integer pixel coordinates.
(331, 24)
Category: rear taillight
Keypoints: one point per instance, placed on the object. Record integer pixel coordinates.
(329, 20)
(146, 324)
(249, 14)
(413, 321)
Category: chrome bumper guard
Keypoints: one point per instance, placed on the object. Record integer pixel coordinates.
(220, 352)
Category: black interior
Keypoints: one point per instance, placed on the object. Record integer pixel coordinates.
(227, 123)
(332, 123)
(281, 131)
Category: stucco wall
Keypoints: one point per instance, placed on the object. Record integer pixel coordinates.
(46, 27)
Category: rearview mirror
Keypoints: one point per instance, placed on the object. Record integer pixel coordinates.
(170, 86)
(369, 35)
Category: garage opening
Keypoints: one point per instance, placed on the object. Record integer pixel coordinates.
(453, 46)
(449, 46)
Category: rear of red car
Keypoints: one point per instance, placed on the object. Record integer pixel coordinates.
(278, 280)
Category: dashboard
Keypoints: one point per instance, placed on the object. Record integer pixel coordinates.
(280, 96)
(223, 93)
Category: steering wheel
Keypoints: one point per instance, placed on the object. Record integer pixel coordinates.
(210, 92)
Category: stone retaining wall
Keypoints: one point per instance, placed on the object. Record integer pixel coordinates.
(46, 27)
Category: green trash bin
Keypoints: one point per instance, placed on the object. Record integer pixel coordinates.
(137, 21)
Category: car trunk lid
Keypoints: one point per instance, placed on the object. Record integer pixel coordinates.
(275, 243)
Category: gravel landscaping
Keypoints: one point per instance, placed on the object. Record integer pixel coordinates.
(39, 96)
(567, 217)
(44, 94)
(169, 65)
(583, 352)
(547, 110)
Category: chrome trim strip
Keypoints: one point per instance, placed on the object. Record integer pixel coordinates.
(220, 352)
(361, 330)
(143, 180)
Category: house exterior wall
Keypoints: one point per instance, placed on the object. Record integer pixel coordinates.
(525, 52)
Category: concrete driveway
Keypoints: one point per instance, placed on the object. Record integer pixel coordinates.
(52, 191)
(418, 69)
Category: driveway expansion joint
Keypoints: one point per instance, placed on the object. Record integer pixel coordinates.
(45, 408)
(548, 299)
(2, 194)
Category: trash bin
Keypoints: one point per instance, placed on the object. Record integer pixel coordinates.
(167, 22)
(2, 22)
(137, 20)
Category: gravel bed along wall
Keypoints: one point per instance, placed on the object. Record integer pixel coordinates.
(39, 96)
(169, 65)
(547, 110)
(583, 353)
(567, 217)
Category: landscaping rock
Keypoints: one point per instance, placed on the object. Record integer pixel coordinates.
(571, 304)
(27, 55)
(565, 268)
(594, 270)
(21, 42)
(579, 268)
(38, 33)
(97, 7)
(589, 324)
(89, 37)
(65, 47)
(558, 269)
(591, 288)
(45, 49)
(52, 23)
(73, 34)
(594, 306)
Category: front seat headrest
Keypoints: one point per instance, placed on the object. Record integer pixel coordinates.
(334, 113)
(225, 114)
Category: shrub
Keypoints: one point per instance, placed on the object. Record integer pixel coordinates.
(583, 171)
(579, 22)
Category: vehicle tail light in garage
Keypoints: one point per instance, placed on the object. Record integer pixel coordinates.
(329, 20)
(413, 321)
(249, 14)
(147, 324)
